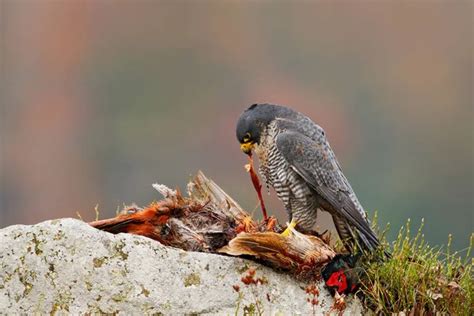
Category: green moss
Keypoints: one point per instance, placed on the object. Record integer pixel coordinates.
(28, 286)
(26, 277)
(119, 250)
(243, 268)
(419, 278)
(119, 297)
(145, 291)
(54, 309)
(166, 305)
(62, 303)
(38, 250)
(88, 285)
(250, 309)
(192, 279)
(98, 262)
(59, 235)
(7, 277)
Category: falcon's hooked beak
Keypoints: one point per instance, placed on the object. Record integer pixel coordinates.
(247, 147)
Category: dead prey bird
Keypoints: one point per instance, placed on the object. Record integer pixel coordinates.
(209, 220)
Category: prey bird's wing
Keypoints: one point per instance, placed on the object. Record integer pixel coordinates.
(313, 159)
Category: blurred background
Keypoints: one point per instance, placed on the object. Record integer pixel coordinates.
(100, 99)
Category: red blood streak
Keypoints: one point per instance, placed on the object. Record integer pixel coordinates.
(257, 186)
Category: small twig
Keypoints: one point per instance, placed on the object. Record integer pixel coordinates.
(96, 209)
(79, 215)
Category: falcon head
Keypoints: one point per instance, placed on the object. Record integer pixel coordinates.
(254, 121)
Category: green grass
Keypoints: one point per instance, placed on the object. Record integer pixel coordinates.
(419, 278)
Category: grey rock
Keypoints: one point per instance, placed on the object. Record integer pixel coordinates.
(66, 266)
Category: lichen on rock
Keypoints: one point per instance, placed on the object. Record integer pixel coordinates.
(67, 266)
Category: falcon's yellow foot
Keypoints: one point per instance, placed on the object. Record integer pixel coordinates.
(288, 229)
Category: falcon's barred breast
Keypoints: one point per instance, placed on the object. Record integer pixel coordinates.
(297, 161)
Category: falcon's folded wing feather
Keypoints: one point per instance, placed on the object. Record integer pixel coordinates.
(315, 162)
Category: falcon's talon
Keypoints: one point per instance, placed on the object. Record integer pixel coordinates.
(289, 228)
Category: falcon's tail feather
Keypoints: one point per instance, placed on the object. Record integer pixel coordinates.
(369, 242)
(351, 237)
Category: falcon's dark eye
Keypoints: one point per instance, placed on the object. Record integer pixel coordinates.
(246, 137)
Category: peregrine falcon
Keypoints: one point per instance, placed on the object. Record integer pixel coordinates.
(297, 161)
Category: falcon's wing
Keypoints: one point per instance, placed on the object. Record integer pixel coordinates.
(316, 163)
